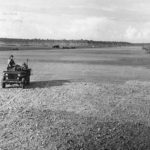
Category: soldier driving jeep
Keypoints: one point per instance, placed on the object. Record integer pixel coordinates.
(11, 62)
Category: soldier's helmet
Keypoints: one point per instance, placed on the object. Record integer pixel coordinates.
(11, 56)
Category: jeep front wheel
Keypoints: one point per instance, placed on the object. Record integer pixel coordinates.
(2, 82)
(3, 85)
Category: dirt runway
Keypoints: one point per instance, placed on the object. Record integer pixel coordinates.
(63, 115)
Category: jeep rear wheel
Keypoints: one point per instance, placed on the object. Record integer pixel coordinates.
(28, 80)
(23, 83)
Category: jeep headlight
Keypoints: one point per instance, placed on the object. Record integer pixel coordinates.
(6, 75)
(19, 75)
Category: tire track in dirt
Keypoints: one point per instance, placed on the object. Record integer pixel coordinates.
(24, 96)
(11, 100)
(21, 102)
(35, 99)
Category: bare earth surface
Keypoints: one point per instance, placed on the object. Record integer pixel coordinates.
(74, 103)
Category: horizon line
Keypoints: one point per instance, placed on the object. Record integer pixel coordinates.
(62, 39)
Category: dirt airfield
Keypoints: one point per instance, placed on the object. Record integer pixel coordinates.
(83, 99)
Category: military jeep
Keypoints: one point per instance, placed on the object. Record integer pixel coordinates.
(16, 76)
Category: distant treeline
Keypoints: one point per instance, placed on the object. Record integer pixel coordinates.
(42, 43)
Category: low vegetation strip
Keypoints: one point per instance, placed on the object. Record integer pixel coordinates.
(17, 44)
(76, 116)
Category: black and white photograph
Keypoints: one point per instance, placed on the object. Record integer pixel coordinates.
(75, 75)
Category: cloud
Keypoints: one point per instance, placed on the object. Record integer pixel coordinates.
(75, 19)
(84, 28)
(132, 33)
(10, 17)
(95, 28)
(138, 34)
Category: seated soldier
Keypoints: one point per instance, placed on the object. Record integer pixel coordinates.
(24, 66)
(11, 62)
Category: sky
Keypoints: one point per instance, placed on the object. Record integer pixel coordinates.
(100, 20)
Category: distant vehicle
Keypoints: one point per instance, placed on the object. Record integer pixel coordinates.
(17, 75)
(56, 46)
(66, 47)
(15, 49)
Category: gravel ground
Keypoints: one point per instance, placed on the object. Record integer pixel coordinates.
(78, 115)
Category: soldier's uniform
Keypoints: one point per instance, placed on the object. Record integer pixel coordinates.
(11, 62)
